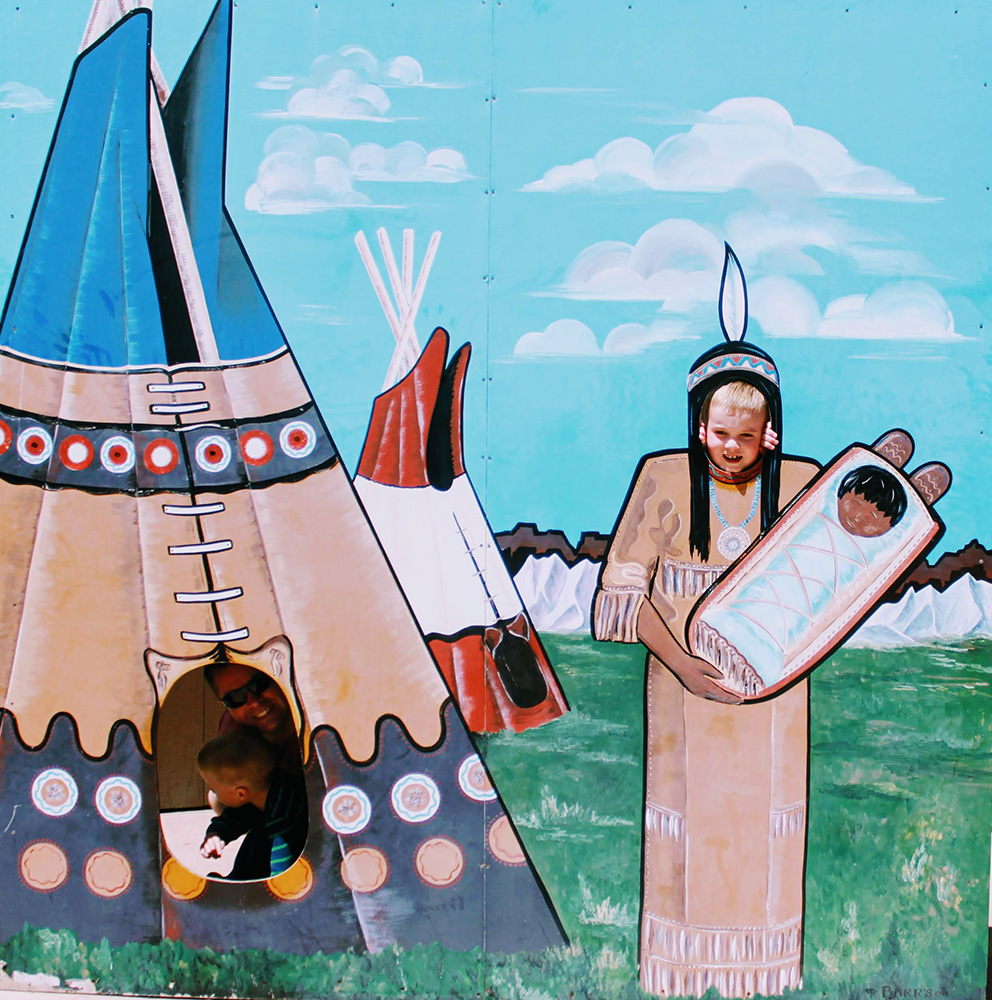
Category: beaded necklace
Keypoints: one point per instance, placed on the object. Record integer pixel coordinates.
(733, 540)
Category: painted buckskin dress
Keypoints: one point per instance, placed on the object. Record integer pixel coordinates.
(726, 785)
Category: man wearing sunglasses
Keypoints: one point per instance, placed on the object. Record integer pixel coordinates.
(254, 700)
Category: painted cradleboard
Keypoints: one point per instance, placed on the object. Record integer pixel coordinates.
(803, 587)
(172, 497)
(414, 486)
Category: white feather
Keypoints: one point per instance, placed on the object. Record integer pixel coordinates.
(733, 297)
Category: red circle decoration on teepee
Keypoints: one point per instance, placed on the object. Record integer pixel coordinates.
(107, 873)
(117, 455)
(212, 453)
(297, 439)
(76, 452)
(34, 445)
(161, 456)
(257, 447)
(6, 436)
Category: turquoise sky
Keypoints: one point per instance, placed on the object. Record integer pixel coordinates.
(843, 150)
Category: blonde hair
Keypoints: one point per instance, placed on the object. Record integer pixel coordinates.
(239, 757)
(737, 397)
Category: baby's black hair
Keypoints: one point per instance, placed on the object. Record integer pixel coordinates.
(879, 487)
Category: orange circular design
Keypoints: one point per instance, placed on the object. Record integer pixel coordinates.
(294, 883)
(504, 844)
(107, 873)
(43, 866)
(440, 861)
(364, 869)
(180, 882)
(6, 436)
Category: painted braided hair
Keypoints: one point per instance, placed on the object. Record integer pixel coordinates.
(732, 361)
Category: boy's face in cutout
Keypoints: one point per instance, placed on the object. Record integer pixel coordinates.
(861, 517)
(732, 438)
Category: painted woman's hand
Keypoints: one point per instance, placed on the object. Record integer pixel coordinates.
(699, 678)
(769, 439)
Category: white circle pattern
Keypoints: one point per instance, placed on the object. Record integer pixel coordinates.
(470, 769)
(113, 464)
(292, 449)
(347, 809)
(118, 799)
(208, 463)
(416, 798)
(34, 457)
(54, 792)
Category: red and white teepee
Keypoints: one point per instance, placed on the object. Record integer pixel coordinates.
(412, 481)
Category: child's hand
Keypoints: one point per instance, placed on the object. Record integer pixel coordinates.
(769, 439)
(212, 847)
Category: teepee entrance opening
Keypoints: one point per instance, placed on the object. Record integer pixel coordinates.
(190, 716)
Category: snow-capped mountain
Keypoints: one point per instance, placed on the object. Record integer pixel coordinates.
(559, 599)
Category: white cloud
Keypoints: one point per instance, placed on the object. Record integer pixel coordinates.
(908, 311)
(676, 262)
(23, 98)
(745, 143)
(783, 307)
(631, 338)
(563, 336)
(571, 337)
(349, 84)
(407, 161)
(306, 172)
(902, 310)
(275, 83)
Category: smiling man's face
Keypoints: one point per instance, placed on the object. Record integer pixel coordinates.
(268, 711)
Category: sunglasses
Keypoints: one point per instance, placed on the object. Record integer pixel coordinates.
(238, 696)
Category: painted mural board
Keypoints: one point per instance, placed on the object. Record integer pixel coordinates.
(272, 531)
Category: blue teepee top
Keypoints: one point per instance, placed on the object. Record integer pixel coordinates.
(84, 290)
(196, 125)
(96, 283)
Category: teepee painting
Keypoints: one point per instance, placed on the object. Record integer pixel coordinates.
(174, 501)
(412, 481)
(331, 336)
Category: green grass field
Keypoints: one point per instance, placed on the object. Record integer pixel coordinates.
(897, 878)
(897, 871)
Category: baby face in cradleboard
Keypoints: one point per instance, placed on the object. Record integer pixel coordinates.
(870, 501)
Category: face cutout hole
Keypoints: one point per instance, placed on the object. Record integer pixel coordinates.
(253, 746)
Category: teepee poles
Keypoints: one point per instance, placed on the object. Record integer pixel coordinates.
(408, 297)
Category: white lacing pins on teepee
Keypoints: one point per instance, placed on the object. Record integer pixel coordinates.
(407, 295)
